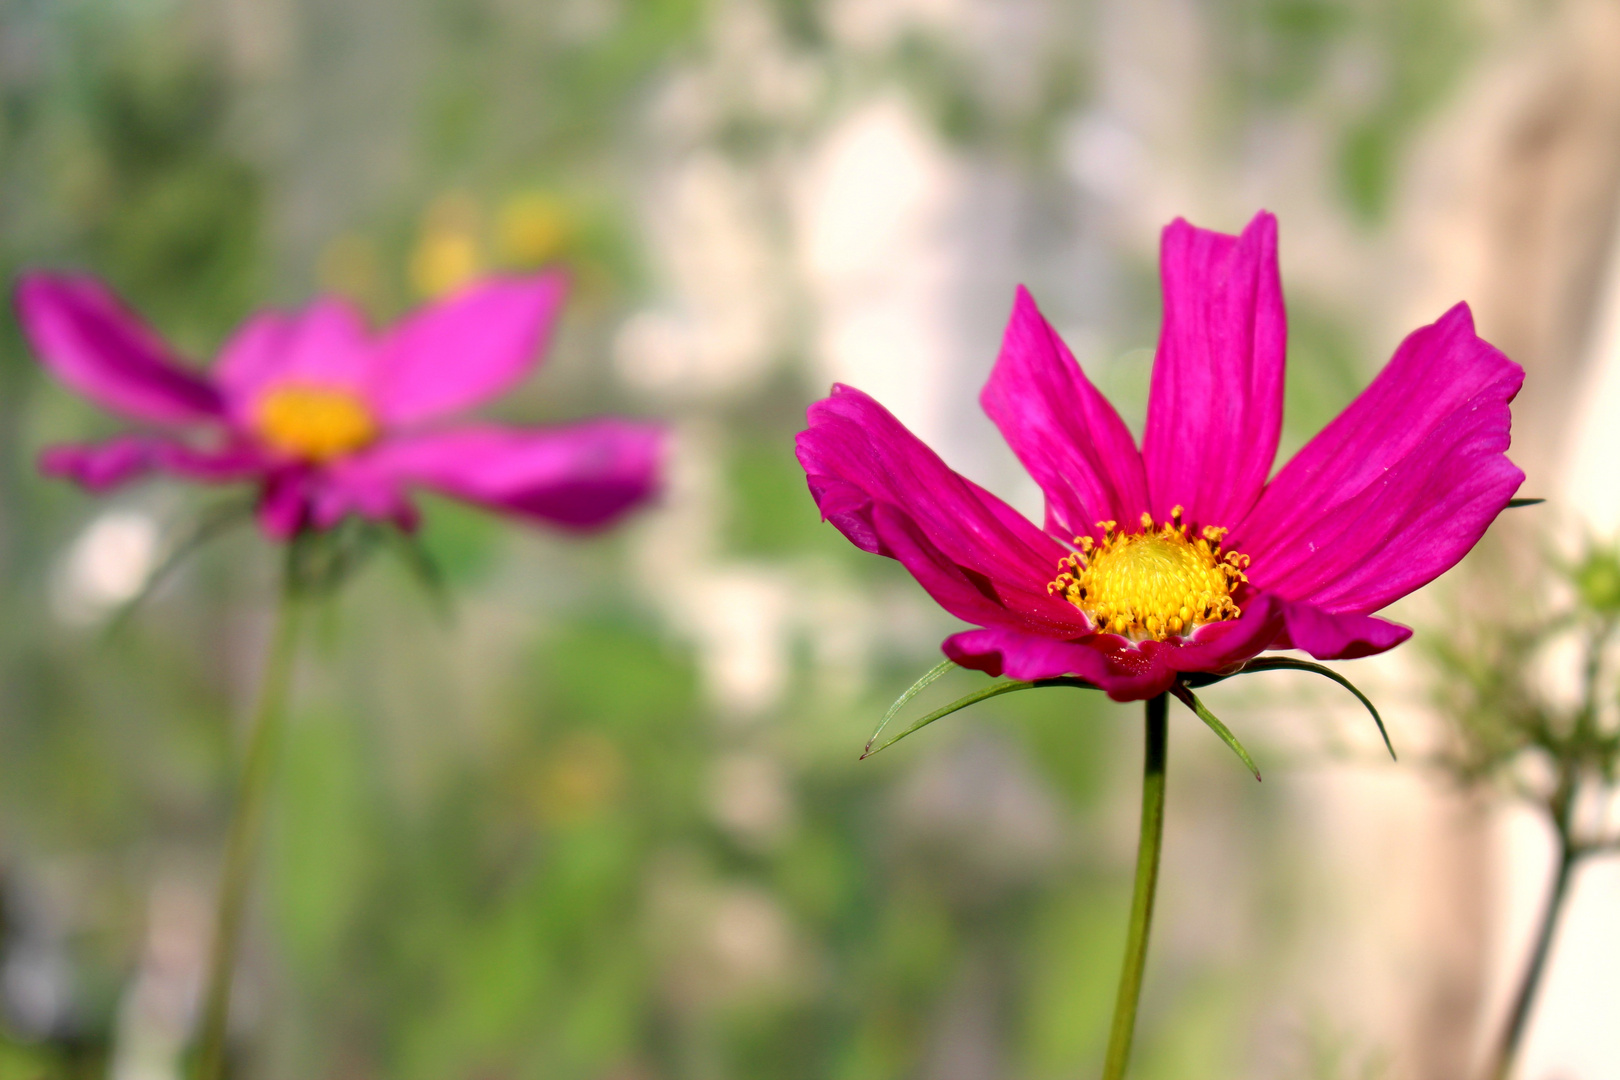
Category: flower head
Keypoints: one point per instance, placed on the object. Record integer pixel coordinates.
(331, 420)
(1182, 557)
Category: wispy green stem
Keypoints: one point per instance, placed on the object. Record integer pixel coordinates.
(1147, 880)
(1524, 999)
(247, 822)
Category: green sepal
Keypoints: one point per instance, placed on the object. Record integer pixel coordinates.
(1288, 663)
(321, 561)
(1514, 504)
(993, 690)
(1190, 699)
(424, 570)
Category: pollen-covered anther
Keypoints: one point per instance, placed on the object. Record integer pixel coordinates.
(316, 423)
(1154, 584)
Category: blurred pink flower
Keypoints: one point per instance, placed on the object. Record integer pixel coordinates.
(329, 419)
(1182, 558)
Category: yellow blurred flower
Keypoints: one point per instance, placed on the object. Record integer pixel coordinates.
(448, 252)
(533, 228)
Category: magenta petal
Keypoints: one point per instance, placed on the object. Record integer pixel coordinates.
(1215, 408)
(463, 350)
(284, 502)
(965, 593)
(298, 496)
(1327, 636)
(857, 457)
(251, 353)
(106, 465)
(90, 341)
(582, 477)
(98, 467)
(1125, 671)
(333, 496)
(325, 345)
(1124, 674)
(1400, 486)
(1065, 433)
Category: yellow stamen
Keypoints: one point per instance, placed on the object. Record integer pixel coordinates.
(316, 423)
(1156, 583)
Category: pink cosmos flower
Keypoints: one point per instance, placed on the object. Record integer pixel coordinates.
(1182, 558)
(329, 419)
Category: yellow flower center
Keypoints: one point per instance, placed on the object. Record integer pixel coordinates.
(316, 423)
(1152, 584)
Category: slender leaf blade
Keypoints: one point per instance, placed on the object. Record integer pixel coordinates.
(1190, 699)
(993, 690)
(218, 520)
(960, 703)
(929, 677)
(1288, 663)
(1514, 504)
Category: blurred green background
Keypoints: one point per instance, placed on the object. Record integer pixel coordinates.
(606, 821)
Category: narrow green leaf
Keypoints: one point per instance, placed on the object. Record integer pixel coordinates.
(929, 677)
(1190, 699)
(1514, 504)
(1288, 663)
(215, 522)
(993, 690)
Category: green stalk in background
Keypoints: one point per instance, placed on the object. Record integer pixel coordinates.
(1573, 756)
(247, 820)
(1148, 847)
(1507, 1048)
(1491, 688)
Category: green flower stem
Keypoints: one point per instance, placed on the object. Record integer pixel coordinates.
(246, 823)
(1560, 807)
(1147, 880)
(1507, 1048)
